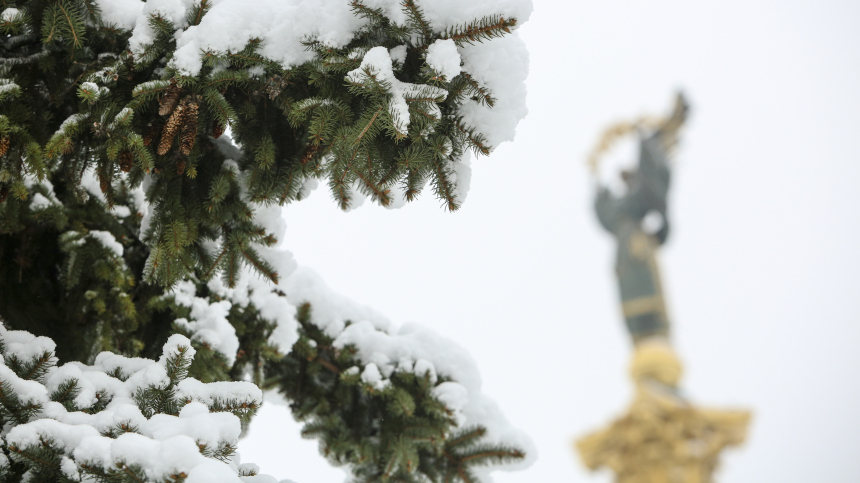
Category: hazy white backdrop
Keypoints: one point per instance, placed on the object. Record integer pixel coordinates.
(762, 268)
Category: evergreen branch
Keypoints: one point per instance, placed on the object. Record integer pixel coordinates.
(219, 105)
(487, 28)
(232, 270)
(363, 11)
(73, 23)
(262, 267)
(466, 437)
(367, 127)
(52, 464)
(39, 367)
(443, 186)
(130, 472)
(64, 394)
(151, 87)
(226, 78)
(338, 186)
(49, 25)
(377, 193)
(416, 18)
(197, 13)
(288, 185)
(497, 454)
(479, 92)
(328, 365)
(476, 141)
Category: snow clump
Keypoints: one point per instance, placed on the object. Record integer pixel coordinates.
(443, 57)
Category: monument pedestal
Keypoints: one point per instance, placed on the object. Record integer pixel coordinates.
(662, 438)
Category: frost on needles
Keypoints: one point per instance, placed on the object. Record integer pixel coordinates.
(145, 151)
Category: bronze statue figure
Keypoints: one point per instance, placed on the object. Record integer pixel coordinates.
(625, 217)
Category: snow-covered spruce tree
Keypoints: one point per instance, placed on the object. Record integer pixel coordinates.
(145, 151)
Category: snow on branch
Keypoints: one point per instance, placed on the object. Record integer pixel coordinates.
(78, 421)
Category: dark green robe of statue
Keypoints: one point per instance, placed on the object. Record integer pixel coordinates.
(636, 266)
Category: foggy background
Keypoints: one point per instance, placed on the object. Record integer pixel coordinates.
(761, 269)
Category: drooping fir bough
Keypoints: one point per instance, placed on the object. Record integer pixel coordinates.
(130, 218)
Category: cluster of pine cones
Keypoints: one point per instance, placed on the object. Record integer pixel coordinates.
(183, 119)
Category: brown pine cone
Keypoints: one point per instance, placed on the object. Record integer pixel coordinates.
(309, 153)
(168, 102)
(103, 182)
(4, 144)
(152, 132)
(126, 161)
(218, 129)
(189, 129)
(172, 126)
(180, 166)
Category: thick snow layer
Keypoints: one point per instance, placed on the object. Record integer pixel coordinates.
(501, 66)
(159, 459)
(64, 436)
(121, 13)
(87, 395)
(209, 393)
(330, 310)
(176, 345)
(454, 396)
(9, 14)
(28, 392)
(24, 345)
(208, 324)
(195, 421)
(114, 363)
(229, 25)
(442, 56)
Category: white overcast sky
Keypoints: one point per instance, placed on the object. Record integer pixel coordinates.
(762, 268)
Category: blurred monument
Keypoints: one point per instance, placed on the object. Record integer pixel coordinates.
(662, 438)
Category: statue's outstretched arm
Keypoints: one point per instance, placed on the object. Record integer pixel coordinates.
(607, 208)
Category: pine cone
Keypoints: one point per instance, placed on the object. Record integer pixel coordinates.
(189, 129)
(180, 166)
(309, 153)
(218, 129)
(4, 144)
(152, 132)
(103, 182)
(173, 125)
(126, 161)
(168, 102)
